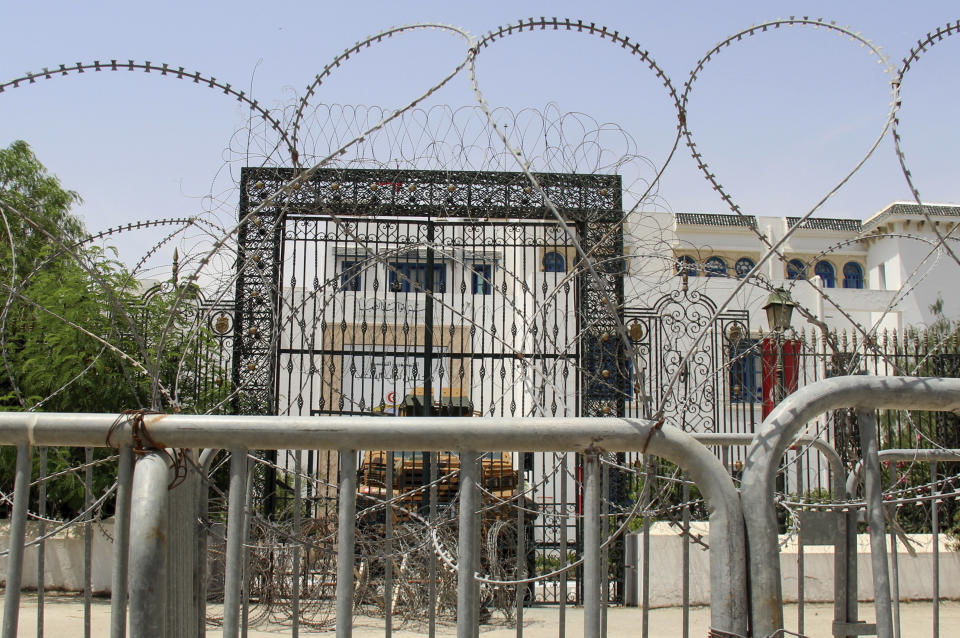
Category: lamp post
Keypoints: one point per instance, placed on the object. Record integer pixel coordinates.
(778, 380)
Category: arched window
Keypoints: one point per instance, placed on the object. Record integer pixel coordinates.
(743, 266)
(796, 269)
(852, 275)
(824, 270)
(687, 264)
(554, 262)
(715, 267)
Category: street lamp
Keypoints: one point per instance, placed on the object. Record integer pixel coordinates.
(779, 309)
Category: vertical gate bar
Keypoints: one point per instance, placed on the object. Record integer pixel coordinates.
(388, 551)
(468, 550)
(235, 519)
(245, 560)
(476, 558)
(521, 547)
(800, 558)
(345, 541)
(121, 545)
(563, 523)
(851, 558)
(645, 613)
(432, 562)
(42, 545)
(895, 578)
(605, 552)
(685, 492)
(18, 530)
(877, 523)
(591, 545)
(935, 524)
(203, 536)
(87, 538)
(297, 535)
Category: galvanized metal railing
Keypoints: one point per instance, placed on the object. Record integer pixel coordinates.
(589, 436)
(776, 434)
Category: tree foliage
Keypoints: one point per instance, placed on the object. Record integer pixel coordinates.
(75, 333)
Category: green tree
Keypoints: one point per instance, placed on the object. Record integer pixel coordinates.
(63, 300)
(75, 333)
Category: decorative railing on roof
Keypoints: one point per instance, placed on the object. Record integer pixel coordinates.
(712, 219)
(821, 223)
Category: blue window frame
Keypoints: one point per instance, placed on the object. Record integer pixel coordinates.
(743, 266)
(412, 277)
(554, 262)
(824, 270)
(852, 275)
(350, 275)
(715, 267)
(745, 370)
(687, 264)
(796, 269)
(481, 279)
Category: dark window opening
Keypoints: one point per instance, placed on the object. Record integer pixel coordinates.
(481, 279)
(411, 276)
(852, 275)
(554, 262)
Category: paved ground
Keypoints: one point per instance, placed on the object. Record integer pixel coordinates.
(64, 618)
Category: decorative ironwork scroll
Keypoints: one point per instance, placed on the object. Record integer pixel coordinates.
(664, 333)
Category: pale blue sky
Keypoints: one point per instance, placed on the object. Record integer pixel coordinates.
(780, 117)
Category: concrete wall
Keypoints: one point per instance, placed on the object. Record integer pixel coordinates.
(915, 573)
(64, 565)
(63, 557)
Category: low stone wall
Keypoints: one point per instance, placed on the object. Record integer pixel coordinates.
(63, 557)
(666, 562)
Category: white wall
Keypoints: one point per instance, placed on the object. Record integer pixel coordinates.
(63, 557)
(916, 575)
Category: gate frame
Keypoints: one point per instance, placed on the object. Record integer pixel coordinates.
(593, 203)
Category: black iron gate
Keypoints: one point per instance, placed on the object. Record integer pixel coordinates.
(358, 290)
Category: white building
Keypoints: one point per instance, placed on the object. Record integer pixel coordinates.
(885, 272)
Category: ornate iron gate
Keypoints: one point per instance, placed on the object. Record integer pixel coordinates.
(357, 289)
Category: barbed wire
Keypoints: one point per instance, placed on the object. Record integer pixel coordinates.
(311, 136)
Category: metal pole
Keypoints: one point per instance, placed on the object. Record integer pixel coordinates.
(234, 558)
(591, 545)
(203, 534)
(298, 533)
(245, 542)
(935, 524)
(873, 490)
(521, 548)
(685, 496)
(148, 547)
(18, 530)
(388, 552)
(42, 546)
(562, 620)
(432, 563)
(345, 541)
(605, 552)
(469, 550)
(121, 545)
(896, 583)
(800, 565)
(87, 538)
(645, 569)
